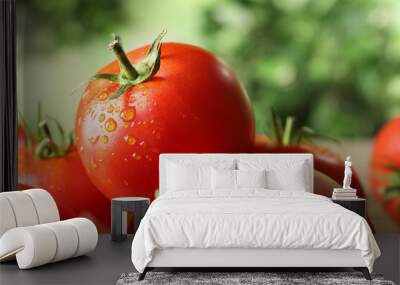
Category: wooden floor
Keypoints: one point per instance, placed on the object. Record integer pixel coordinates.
(110, 260)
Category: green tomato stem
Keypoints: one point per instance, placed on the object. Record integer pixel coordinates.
(133, 74)
(276, 130)
(287, 133)
(128, 70)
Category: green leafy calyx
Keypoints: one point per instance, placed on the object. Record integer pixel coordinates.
(42, 143)
(392, 181)
(289, 133)
(132, 74)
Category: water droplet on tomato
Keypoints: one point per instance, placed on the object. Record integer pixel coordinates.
(132, 100)
(103, 96)
(104, 139)
(93, 163)
(142, 144)
(129, 139)
(151, 121)
(111, 125)
(102, 117)
(128, 114)
(110, 108)
(94, 140)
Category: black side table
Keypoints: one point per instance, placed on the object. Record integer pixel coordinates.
(357, 205)
(119, 208)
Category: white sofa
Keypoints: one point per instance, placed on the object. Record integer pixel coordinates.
(31, 231)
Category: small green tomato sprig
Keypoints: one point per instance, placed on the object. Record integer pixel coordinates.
(133, 73)
(41, 143)
(392, 190)
(290, 134)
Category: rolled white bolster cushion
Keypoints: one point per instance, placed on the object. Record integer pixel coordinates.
(7, 218)
(23, 208)
(33, 246)
(87, 234)
(37, 245)
(66, 238)
(45, 205)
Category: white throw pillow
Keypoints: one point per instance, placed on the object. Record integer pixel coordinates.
(188, 174)
(292, 179)
(182, 177)
(223, 179)
(251, 178)
(236, 179)
(281, 175)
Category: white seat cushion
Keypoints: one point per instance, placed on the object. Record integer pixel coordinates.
(66, 237)
(23, 208)
(40, 244)
(7, 220)
(46, 207)
(26, 208)
(87, 234)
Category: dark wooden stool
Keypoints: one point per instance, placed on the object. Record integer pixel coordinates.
(119, 208)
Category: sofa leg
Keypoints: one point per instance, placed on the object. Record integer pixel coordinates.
(364, 271)
(143, 274)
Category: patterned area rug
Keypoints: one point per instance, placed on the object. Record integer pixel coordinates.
(231, 278)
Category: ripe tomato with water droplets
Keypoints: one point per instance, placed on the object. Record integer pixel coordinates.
(65, 179)
(191, 103)
(385, 168)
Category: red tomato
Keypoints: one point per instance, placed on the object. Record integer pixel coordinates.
(325, 161)
(193, 104)
(22, 149)
(65, 179)
(385, 153)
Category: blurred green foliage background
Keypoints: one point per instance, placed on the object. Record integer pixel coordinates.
(334, 65)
